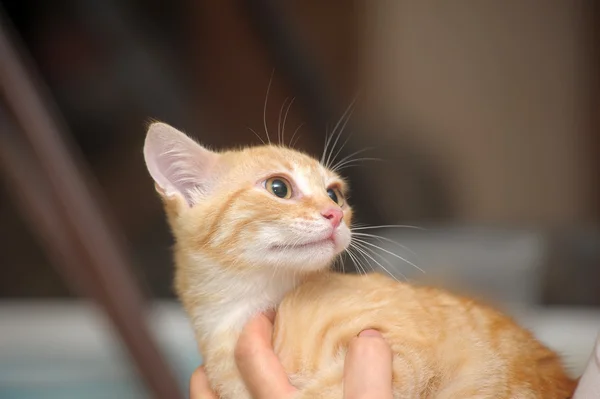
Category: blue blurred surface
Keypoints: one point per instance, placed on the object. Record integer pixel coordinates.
(65, 349)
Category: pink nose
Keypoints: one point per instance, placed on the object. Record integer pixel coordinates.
(334, 215)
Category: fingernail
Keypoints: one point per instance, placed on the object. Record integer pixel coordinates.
(270, 314)
(370, 333)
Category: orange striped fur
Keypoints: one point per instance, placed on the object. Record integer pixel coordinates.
(240, 250)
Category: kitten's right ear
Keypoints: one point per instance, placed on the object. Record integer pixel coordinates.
(178, 165)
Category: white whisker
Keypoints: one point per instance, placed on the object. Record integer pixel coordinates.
(365, 258)
(327, 141)
(257, 135)
(364, 249)
(353, 162)
(387, 226)
(292, 143)
(287, 111)
(351, 257)
(347, 138)
(355, 260)
(347, 157)
(390, 253)
(339, 259)
(265, 106)
(343, 262)
(341, 124)
(279, 135)
(377, 237)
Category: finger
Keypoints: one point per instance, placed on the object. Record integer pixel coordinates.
(200, 387)
(260, 368)
(270, 314)
(368, 367)
(589, 383)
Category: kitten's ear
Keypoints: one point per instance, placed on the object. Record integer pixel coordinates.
(178, 165)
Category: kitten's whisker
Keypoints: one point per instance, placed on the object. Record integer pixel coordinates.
(361, 253)
(333, 264)
(355, 260)
(294, 274)
(339, 128)
(326, 150)
(292, 244)
(265, 106)
(386, 226)
(351, 257)
(366, 251)
(343, 119)
(275, 270)
(256, 134)
(328, 138)
(390, 253)
(363, 269)
(341, 148)
(279, 135)
(366, 254)
(295, 142)
(347, 157)
(344, 143)
(377, 237)
(338, 259)
(353, 162)
(287, 111)
(292, 143)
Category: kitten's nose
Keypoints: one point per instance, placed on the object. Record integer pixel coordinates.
(334, 215)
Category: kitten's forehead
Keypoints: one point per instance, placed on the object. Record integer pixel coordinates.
(307, 172)
(310, 176)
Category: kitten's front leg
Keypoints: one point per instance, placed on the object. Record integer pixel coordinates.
(236, 389)
(222, 371)
(226, 381)
(327, 384)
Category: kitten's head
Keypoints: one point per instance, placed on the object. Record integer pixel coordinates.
(253, 208)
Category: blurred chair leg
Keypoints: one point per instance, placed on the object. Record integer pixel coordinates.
(33, 198)
(50, 186)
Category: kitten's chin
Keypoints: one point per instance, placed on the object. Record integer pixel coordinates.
(302, 256)
(306, 257)
(328, 242)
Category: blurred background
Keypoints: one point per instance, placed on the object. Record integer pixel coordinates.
(485, 115)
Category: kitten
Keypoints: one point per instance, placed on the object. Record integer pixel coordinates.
(258, 228)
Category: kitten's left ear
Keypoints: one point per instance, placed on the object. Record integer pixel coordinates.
(179, 165)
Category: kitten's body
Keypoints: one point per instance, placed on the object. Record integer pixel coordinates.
(241, 249)
(445, 346)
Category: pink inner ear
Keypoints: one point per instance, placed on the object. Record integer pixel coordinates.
(178, 164)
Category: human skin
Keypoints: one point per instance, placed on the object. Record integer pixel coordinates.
(367, 371)
(589, 383)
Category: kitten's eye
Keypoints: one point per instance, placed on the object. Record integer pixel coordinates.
(279, 187)
(336, 196)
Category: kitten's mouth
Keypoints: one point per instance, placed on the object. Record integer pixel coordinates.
(307, 245)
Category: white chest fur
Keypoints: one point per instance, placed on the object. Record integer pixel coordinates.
(226, 302)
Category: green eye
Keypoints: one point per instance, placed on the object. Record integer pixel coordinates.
(279, 187)
(336, 196)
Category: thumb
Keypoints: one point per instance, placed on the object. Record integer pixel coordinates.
(368, 367)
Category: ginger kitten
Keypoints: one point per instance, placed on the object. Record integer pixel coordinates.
(258, 228)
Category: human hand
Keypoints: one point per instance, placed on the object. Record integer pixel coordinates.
(589, 383)
(367, 369)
